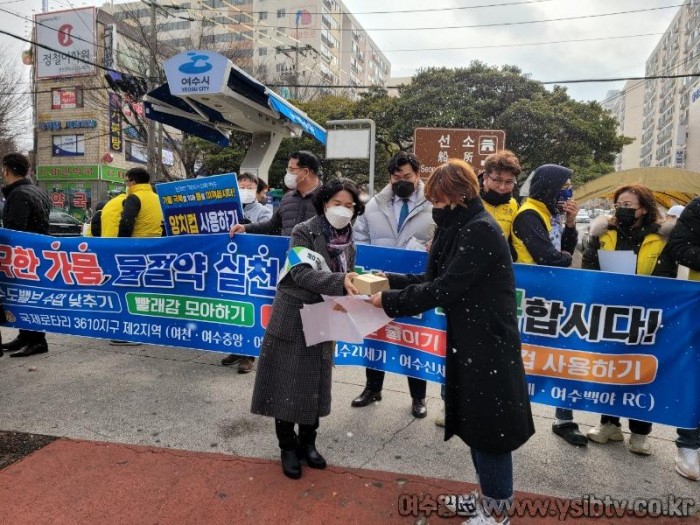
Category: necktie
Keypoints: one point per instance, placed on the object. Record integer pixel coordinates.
(403, 213)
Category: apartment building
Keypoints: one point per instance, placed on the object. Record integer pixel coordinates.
(626, 106)
(665, 111)
(307, 45)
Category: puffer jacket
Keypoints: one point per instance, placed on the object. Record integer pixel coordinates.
(294, 209)
(378, 226)
(26, 208)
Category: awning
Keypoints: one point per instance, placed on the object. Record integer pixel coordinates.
(201, 99)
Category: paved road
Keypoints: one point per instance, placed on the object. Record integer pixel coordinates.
(183, 399)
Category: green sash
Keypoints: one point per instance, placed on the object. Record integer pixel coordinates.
(300, 255)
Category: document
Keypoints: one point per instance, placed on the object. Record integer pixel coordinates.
(618, 261)
(345, 318)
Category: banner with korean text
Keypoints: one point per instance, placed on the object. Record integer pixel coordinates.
(607, 343)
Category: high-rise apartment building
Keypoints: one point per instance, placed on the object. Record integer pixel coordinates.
(665, 111)
(309, 45)
(626, 106)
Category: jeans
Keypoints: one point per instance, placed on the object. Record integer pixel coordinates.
(636, 427)
(495, 472)
(375, 382)
(565, 414)
(688, 438)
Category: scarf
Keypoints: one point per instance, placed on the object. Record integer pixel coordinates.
(336, 243)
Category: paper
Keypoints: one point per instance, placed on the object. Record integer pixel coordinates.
(322, 323)
(618, 261)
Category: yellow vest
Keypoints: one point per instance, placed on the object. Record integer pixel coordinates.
(150, 219)
(111, 215)
(694, 275)
(648, 254)
(541, 210)
(504, 215)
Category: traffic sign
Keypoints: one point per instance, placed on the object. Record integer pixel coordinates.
(433, 146)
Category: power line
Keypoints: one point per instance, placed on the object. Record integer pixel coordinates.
(502, 24)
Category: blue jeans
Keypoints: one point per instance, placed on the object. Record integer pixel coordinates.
(565, 414)
(688, 438)
(495, 472)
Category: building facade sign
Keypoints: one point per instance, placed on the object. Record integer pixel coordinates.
(62, 173)
(65, 43)
(433, 146)
(52, 125)
(115, 122)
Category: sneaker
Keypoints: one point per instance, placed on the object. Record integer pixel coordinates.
(688, 463)
(461, 504)
(604, 432)
(639, 444)
(245, 365)
(481, 518)
(231, 360)
(440, 419)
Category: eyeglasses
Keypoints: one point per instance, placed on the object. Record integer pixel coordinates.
(501, 182)
(626, 205)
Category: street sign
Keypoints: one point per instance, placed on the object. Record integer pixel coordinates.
(433, 146)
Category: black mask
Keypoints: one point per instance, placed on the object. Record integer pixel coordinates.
(403, 189)
(494, 198)
(442, 216)
(625, 217)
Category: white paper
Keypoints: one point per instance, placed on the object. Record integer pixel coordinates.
(322, 323)
(618, 261)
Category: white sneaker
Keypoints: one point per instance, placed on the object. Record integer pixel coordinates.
(688, 463)
(639, 444)
(461, 504)
(604, 432)
(440, 418)
(482, 519)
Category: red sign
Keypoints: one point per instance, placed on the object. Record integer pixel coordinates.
(433, 146)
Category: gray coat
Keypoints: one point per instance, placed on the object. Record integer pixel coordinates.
(378, 225)
(293, 382)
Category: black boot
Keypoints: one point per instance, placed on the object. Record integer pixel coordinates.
(288, 445)
(16, 344)
(307, 446)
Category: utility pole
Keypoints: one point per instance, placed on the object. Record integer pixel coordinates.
(303, 50)
(153, 166)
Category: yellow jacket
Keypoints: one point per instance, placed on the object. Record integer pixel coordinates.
(150, 218)
(541, 209)
(504, 215)
(111, 215)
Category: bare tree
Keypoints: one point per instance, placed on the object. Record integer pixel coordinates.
(15, 104)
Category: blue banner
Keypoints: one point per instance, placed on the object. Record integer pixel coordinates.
(200, 206)
(594, 341)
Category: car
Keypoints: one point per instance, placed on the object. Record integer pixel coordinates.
(583, 217)
(62, 224)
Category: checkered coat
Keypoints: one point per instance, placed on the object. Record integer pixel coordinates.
(293, 382)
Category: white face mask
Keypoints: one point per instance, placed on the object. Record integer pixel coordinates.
(290, 180)
(339, 216)
(247, 196)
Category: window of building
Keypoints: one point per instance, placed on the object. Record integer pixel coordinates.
(262, 51)
(68, 145)
(262, 15)
(67, 98)
(281, 13)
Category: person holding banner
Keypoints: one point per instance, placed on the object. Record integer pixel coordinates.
(636, 227)
(684, 248)
(293, 383)
(399, 216)
(536, 229)
(469, 274)
(253, 212)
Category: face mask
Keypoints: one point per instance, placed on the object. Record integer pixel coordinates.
(338, 216)
(494, 198)
(290, 180)
(564, 195)
(403, 189)
(247, 196)
(441, 216)
(625, 217)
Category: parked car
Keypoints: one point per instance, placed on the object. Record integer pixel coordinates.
(63, 225)
(583, 216)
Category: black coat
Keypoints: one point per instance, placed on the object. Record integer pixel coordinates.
(684, 244)
(26, 208)
(470, 275)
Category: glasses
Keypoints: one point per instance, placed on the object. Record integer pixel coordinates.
(626, 205)
(501, 182)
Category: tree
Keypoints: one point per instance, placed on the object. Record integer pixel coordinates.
(15, 105)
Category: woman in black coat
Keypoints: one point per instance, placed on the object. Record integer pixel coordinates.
(470, 275)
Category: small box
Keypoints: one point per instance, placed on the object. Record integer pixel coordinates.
(369, 284)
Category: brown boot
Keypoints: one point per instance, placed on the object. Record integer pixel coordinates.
(245, 365)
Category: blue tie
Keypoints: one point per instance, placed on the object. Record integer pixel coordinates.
(403, 213)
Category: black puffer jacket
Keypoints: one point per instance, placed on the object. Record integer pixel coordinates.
(26, 207)
(684, 244)
(294, 209)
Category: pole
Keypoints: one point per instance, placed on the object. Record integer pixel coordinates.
(296, 62)
(153, 168)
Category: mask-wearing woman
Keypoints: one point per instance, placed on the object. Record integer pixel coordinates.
(635, 227)
(293, 383)
(469, 275)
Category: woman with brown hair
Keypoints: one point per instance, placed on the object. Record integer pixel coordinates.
(636, 226)
(469, 275)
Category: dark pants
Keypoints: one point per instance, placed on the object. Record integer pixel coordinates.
(688, 438)
(375, 382)
(495, 471)
(636, 427)
(30, 337)
(288, 438)
(565, 414)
